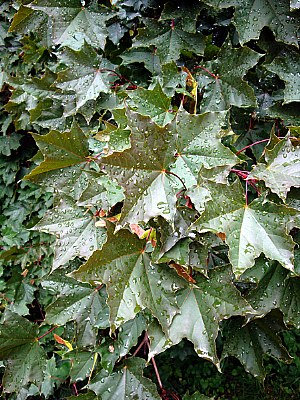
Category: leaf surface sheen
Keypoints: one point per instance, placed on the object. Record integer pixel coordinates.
(71, 24)
(260, 227)
(202, 307)
(133, 282)
(282, 168)
(251, 16)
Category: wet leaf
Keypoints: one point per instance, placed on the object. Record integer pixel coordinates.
(64, 161)
(202, 307)
(286, 66)
(128, 382)
(260, 227)
(277, 289)
(77, 302)
(250, 342)
(282, 168)
(71, 24)
(133, 281)
(169, 40)
(222, 79)
(25, 360)
(75, 229)
(252, 16)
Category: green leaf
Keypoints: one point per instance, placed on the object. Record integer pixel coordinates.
(101, 192)
(282, 168)
(169, 40)
(202, 307)
(287, 67)
(199, 145)
(65, 157)
(133, 282)
(86, 77)
(277, 290)
(252, 16)
(196, 396)
(25, 359)
(249, 343)
(140, 170)
(153, 103)
(260, 227)
(82, 364)
(222, 79)
(71, 24)
(112, 350)
(77, 302)
(75, 229)
(127, 383)
(187, 12)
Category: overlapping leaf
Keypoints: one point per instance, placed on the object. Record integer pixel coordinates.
(287, 67)
(249, 343)
(202, 307)
(169, 40)
(277, 289)
(282, 168)
(153, 103)
(126, 383)
(71, 23)
(260, 227)
(140, 170)
(222, 79)
(65, 156)
(199, 145)
(85, 78)
(77, 302)
(75, 229)
(25, 359)
(133, 282)
(252, 16)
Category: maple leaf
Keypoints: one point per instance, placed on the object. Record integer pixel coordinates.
(71, 23)
(65, 157)
(75, 229)
(127, 381)
(287, 67)
(202, 307)
(153, 103)
(77, 302)
(222, 79)
(169, 40)
(133, 281)
(260, 227)
(255, 339)
(277, 289)
(282, 168)
(199, 145)
(141, 171)
(252, 16)
(86, 76)
(24, 358)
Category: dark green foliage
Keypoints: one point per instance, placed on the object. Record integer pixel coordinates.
(149, 199)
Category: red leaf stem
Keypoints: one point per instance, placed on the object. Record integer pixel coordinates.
(206, 70)
(47, 333)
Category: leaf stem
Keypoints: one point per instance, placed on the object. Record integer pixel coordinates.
(154, 365)
(47, 333)
(258, 142)
(206, 70)
(178, 177)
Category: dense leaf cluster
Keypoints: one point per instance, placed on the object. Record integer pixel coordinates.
(169, 162)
